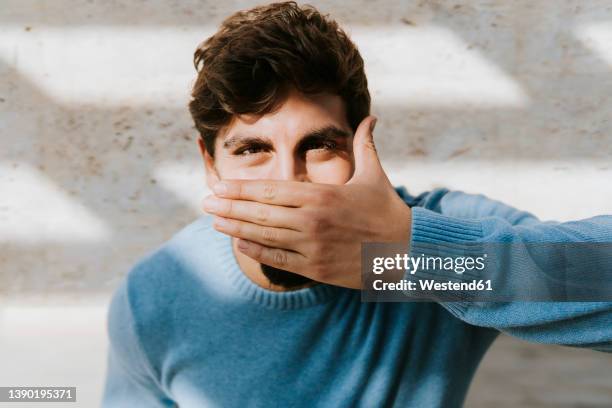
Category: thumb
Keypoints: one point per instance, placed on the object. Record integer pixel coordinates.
(367, 164)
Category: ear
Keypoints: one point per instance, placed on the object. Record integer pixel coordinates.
(212, 176)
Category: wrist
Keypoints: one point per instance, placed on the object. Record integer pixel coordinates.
(401, 223)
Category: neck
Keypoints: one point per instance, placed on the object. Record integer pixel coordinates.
(252, 269)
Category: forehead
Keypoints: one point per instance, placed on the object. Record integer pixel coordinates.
(295, 116)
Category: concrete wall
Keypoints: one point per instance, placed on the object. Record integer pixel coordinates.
(98, 162)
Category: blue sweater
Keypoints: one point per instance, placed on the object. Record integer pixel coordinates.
(187, 328)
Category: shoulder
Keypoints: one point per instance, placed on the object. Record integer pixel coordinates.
(144, 303)
(163, 269)
(175, 258)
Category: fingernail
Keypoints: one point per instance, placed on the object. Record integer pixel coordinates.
(373, 124)
(220, 188)
(211, 204)
(243, 245)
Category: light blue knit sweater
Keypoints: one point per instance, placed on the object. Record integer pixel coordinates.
(187, 328)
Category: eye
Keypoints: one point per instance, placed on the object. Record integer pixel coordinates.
(246, 151)
(324, 145)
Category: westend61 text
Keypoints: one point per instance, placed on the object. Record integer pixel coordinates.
(432, 285)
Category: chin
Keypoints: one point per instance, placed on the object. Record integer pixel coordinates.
(284, 279)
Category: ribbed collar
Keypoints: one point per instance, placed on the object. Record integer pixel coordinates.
(295, 299)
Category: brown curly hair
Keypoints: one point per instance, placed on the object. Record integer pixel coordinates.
(258, 55)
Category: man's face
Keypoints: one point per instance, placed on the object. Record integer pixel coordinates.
(307, 139)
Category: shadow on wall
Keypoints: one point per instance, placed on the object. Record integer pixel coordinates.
(106, 159)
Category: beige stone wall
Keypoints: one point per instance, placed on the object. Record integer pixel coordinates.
(98, 162)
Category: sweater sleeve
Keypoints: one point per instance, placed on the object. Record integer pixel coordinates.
(130, 379)
(442, 218)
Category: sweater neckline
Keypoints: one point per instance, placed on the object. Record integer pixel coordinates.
(293, 299)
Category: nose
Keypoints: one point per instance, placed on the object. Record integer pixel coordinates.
(290, 168)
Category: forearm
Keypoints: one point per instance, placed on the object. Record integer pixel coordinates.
(572, 323)
(463, 205)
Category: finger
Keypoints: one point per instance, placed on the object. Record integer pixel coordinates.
(269, 236)
(278, 192)
(254, 212)
(367, 163)
(278, 258)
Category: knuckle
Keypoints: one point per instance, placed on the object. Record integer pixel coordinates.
(229, 207)
(262, 214)
(279, 258)
(318, 259)
(257, 251)
(319, 224)
(269, 190)
(318, 251)
(268, 235)
(370, 145)
(314, 197)
(240, 190)
(326, 196)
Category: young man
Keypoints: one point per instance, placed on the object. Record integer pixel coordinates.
(281, 94)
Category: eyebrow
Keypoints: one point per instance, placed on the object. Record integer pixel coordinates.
(239, 139)
(327, 132)
(324, 133)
